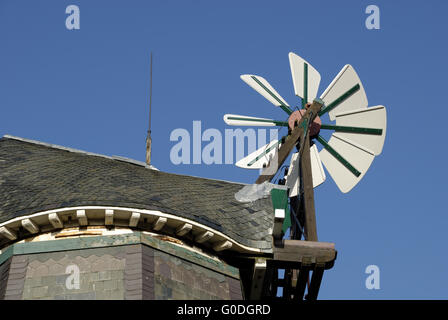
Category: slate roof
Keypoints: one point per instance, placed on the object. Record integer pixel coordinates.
(36, 177)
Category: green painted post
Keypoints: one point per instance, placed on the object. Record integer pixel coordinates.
(280, 201)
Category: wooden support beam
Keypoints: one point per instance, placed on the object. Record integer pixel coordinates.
(82, 218)
(287, 288)
(204, 236)
(283, 153)
(30, 226)
(302, 279)
(109, 217)
(222, 245)
(55, 221)
(308, 191)
(8, 233)
(316, 280)
(183, 229)
(258, 279)
(294, 278)
(159, 223)
(271, 282)
(134, 219)
(291, 141)
(305, 251)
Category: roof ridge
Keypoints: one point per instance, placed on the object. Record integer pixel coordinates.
(55, 146)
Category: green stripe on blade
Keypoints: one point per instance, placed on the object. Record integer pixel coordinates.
(264, 153)
(341, 99)
(282, 105)
(277, 123)
(372, 131)
(341, 159)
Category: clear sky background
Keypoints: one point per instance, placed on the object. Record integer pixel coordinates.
(89, 89)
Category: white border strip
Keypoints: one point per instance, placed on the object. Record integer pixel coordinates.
(142, 212)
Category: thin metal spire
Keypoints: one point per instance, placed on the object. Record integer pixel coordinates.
(148, 136)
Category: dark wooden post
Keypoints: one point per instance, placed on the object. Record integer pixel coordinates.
(308, 191)
(301, 282)
(316, 280)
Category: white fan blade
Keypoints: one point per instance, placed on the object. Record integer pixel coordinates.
(357, 156)
(317, 171)
(263, 87)
(292, 178)
(373, 117)
(259, 157)
(345, 93)
(298, 67)
(237, 120)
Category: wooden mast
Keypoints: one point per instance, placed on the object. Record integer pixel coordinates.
(297, 257)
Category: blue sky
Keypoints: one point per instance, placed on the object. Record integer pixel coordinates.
(89, 89)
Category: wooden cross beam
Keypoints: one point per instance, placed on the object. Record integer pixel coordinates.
(306, 257)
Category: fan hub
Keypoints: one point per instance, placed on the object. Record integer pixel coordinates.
(297, 115)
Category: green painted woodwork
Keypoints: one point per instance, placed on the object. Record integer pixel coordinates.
(305, 125)
(136, 237)
(280, 201)
(6, 254)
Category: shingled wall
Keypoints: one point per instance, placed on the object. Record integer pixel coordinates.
(133, 271)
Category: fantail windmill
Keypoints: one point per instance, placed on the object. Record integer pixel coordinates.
(358, 136)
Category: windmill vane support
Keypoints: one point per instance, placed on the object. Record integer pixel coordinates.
(358, 136)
